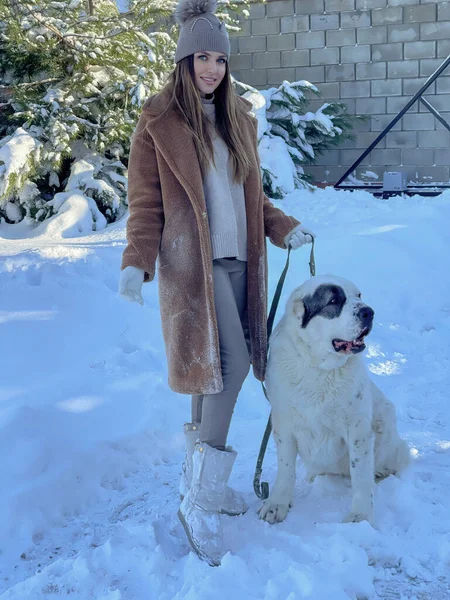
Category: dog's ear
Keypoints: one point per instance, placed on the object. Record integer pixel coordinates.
(298, 308)
(295, 306)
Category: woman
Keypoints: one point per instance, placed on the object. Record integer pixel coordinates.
(196, 203)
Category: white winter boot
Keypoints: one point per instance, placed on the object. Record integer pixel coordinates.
(233, 503)
(191, 432)
(200, 510)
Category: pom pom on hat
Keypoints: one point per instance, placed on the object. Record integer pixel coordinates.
(187, 9)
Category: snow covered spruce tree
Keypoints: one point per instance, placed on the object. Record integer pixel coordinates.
(290, 136)
(74, 75)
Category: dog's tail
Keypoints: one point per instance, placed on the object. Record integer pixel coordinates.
(403, 456)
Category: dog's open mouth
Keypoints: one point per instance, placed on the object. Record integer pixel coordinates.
(352, 346)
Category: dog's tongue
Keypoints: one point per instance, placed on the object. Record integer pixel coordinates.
(342, 345)
(347, 346)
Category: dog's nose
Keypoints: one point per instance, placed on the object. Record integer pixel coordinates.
(365, 315)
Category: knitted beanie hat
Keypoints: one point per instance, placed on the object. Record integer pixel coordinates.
(200, 29)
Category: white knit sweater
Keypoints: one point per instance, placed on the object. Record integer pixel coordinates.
(225, 200)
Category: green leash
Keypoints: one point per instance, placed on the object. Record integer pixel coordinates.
(262, 489)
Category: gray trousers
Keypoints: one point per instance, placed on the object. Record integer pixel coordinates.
(214, 411)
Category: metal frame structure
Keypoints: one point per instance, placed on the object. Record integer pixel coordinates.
(377, 188)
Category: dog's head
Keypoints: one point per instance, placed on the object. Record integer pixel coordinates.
(331, 318)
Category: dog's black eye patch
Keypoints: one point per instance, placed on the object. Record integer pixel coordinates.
(327, 301)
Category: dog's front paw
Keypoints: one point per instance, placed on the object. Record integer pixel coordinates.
(272, 512)
(357, 517)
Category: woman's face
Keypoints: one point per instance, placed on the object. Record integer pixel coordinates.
(209, 68)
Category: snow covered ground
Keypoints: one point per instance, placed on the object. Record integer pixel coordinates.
(91, 437)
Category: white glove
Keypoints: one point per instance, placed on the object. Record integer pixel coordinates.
(298, 236)
(130, 284)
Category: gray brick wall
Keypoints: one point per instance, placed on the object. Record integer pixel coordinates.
(373, 55)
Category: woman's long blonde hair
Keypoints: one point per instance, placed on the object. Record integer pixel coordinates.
(185, 99)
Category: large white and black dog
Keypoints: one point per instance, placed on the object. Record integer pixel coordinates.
(324, 406)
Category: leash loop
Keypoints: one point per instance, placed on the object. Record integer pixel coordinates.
(312, 261)
(262, 488)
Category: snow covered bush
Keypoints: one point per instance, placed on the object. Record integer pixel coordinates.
(74, 77)
(290, 136)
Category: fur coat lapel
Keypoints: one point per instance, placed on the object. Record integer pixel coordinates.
(180, 157)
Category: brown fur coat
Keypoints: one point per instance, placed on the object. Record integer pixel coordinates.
(168, 220)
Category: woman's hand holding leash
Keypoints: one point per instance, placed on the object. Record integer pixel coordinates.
(299, 236)
(130, 284)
